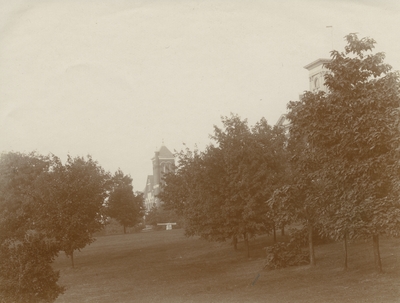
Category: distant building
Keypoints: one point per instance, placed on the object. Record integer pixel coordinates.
(316, 74)
(163, 162)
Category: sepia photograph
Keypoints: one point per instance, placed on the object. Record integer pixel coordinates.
(199, 151)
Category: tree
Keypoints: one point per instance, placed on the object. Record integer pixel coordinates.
(123, 204)
(190, 190)
(299, 201)
(270, 170)
(352, 135)
(26, 274)
(300, 198)
(253, 164)
(26, 249)
(221, 192)
(72, 198)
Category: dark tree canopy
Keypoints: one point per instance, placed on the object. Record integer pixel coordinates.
(221, 192)
(73, 196)
(123, 204)
(346, 143)
(26, 249)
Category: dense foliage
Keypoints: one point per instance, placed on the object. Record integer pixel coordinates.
(26, 274)
(221, 192)
(284, 254)
(345, 148)
(123, 204)
(342, 179)
(27, 248)
(45, 207)
(72, 197)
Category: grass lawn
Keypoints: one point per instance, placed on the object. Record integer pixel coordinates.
(165, 266)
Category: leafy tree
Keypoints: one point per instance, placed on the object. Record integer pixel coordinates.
(301, 199)
(221, 192)
(298, 202)
(72, 197)
(352, 137)
(26, 249)
(26, 271)
(193, 190)
(123, 204)
(253, 164)
(188, 191)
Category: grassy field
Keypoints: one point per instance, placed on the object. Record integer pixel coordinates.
(165, 266)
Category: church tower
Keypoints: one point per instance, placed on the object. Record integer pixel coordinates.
(163, 162)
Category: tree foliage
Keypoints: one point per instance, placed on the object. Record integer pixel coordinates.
(45, 207)
(221, 192)
(26, 248)
(26, 271)
(123, 204)
(72, 197)
(346, 143)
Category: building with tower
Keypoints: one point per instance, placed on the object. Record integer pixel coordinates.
(163, 162)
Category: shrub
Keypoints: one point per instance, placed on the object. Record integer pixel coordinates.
(26, 274)
(283, 254)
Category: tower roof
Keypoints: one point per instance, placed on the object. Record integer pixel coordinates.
(164, 152)
(316, 63)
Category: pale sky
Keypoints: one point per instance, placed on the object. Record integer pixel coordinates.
(113, 79)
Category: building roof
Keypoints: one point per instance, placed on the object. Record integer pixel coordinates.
(282, 119)
(164, 152)
(317, 62)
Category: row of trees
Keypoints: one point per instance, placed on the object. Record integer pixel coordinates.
(346, 150)
(337, 171)
(47, 207)
(221, 192)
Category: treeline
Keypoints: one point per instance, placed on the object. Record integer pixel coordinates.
(47, 207)
(221, 192)
(336, 171)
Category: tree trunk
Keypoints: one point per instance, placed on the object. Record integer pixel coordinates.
(274, 234)
(246, 242)
(345, 251)
(311, 245)
(377, 256)
(72, 259)
(234, 242)
(283, 230)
